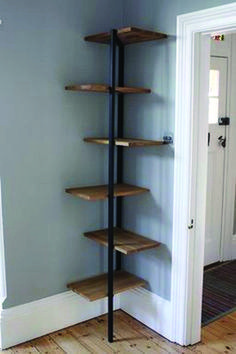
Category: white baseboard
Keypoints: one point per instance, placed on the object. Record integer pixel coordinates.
(25, 322)
(148, 308)
(22, 323)
(233, 250)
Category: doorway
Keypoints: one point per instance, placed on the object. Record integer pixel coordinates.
(216, 159)
(221, 78)
(190, 180)
(219, 289)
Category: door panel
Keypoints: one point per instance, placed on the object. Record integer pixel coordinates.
(216, 158)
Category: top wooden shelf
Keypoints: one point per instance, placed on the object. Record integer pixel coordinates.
(105, 88)
(101, 192)
(127, 35)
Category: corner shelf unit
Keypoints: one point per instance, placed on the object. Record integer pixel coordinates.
(115, 238)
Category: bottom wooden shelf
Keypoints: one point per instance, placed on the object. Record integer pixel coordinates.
(95, 288)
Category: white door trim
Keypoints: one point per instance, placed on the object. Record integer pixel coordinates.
(3, 288)
(190, 174)
(228, 249)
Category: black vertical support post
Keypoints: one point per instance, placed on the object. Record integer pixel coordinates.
(111, 182)
(120, 134)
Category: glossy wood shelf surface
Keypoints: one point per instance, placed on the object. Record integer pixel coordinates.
(101, 192)
(125, 241)
(127, 35)
(95, 288)
(100, 88)
(126, 142)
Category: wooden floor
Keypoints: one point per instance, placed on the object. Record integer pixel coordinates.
(130, 336)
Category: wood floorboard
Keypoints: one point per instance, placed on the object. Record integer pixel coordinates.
(217, 343)
(125, 334)
(89, 338)
(47, 345)
(130, 336)
(25, 348)
(153, 336)
(119, 345)
(69, 343)
(135, 338)
(232, 315)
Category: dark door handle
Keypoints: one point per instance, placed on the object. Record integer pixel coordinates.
(222, 141)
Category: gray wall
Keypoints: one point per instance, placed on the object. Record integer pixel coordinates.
(41, 147)
(153, 65)
(41, 131)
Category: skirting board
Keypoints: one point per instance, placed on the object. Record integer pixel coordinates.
(22, 323)
(233, 249)
(25, 322)
(150, 309)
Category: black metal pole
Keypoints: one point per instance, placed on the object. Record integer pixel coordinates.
(111, 182)
(120, 134)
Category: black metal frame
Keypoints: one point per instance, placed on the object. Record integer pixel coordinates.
(111, 165)
(120, 134)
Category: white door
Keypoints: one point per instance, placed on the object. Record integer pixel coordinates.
(216, 159)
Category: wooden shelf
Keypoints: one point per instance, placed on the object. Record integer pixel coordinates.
(132, 90)
(95, 288)
(124, 241)
(101, 192)
(127, 35)
(105, 88)
(126, 142)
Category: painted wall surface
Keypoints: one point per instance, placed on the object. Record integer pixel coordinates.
(41, 132)
(153, 65)
(41, 146)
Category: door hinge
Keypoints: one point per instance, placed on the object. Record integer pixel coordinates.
(190, 226)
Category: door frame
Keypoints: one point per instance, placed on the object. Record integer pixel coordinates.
(190, 182)
(3, 287)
